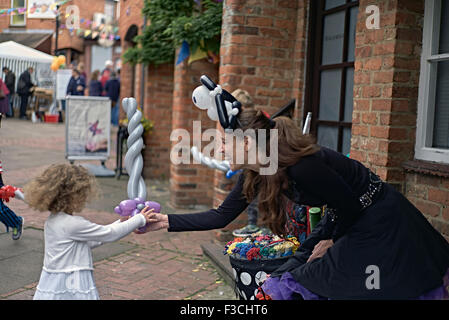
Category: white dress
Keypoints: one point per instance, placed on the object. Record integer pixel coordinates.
(67, 273)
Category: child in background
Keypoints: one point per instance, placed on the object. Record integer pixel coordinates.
(68, 268)
(8, 217)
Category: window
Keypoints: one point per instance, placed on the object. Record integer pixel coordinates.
(99, 56)
(109, 10)
(18, 19)
(432, 132)
(330, 79)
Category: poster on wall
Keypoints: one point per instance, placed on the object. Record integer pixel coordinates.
(88, 126)
(41, 9)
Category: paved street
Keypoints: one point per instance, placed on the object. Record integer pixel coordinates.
(154, 266)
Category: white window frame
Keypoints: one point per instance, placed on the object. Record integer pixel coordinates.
(427, 85)
(24, 15)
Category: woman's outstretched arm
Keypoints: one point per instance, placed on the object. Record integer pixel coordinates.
(234, 204)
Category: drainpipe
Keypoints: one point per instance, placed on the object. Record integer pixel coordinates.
(57, 30)
(142, 76)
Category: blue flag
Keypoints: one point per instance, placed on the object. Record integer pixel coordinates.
(184, 53)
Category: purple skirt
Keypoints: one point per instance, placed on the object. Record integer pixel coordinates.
(285, 288)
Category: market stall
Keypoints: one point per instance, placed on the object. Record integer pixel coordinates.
(18, 58)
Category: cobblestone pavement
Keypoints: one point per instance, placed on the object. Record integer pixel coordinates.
(155, 266)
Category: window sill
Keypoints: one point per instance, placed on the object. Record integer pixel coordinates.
(427, 167)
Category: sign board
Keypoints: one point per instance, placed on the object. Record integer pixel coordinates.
(45, 76)
(62, 81)
(88, 128)
(41, 9)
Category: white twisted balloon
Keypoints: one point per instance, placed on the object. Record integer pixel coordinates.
(133, 158)
(306, 129)
(211, 163)
(19, 195)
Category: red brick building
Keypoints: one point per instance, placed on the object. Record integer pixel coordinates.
(372, 72)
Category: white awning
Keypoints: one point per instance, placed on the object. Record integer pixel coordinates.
(15, 51)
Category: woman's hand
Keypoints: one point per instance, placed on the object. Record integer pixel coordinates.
(320, 249)
(157, 221)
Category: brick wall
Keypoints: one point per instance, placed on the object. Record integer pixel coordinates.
(386, 83)
(158, 108)
(430, 194)
(258, 49)
(4, 21)
(130, 14)
(262, 51)
(87, 10)
(299, 59)
(158, 96)
(190, 185)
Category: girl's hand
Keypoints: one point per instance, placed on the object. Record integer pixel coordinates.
(320, 249)
(146, 213)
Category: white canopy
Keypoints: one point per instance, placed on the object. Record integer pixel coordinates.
(16, 51)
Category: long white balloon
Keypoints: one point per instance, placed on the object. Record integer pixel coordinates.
(133, 158)
(306, 129)
(211, 163)
(19, 195)
(224, 165)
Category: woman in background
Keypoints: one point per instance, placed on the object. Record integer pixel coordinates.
(95, 87)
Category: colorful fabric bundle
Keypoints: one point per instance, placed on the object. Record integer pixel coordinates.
(261, 247)
(254, 257)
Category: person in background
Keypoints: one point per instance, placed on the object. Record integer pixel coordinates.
(112, 89)
(247, 103)
(106, 73)
(4, 102)
(83, 74)
(95, 87)
(8, 217)
(77, 84)
(82, 71)
(24, 89)
(10, 81)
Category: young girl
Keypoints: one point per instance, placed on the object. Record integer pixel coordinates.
(68, 268)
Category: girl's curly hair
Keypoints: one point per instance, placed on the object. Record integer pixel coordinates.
(61, 188)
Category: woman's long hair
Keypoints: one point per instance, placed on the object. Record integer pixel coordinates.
(95, 75)
(292, 146)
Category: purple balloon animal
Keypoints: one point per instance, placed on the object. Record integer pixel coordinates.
(129, 208)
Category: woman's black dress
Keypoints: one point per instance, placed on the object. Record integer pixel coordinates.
(370, 222)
